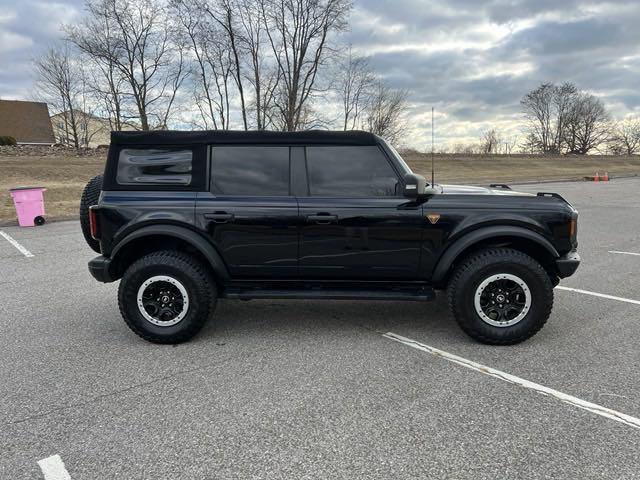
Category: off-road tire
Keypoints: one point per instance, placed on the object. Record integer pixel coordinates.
(477, 267)
(196, 279)
(90, 196)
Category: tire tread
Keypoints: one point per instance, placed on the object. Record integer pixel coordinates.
(488, 257)
(185, 262)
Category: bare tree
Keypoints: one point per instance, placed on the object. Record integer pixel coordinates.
(262, 75)
(223, 14)
(211, 65)
(214, 79)
(105, 81)
(537, 108)
(228, 41)
(531, 144)
(625, 138)
(141, 48)
(107, 89)
(386, 112)
(510, 144)
(546, 109)
(464, 149)
(490, 142)
(265, 99)
(299, 33)
(564, 120)
(60, 84)
(587, 124)
(355, 83)
(564, 99)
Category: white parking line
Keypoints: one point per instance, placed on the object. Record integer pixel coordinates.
(492, 372)
(53, 468)
(624, 253)
(601, 295)
(13, 242)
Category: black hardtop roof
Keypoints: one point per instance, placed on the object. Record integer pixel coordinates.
(181, 137)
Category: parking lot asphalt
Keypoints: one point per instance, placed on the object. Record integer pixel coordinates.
(312, 389)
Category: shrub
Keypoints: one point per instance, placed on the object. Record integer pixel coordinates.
(7, 140)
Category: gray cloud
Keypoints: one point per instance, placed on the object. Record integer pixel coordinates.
(27, 28)
(474, 60)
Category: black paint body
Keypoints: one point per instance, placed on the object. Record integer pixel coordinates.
(328, 239)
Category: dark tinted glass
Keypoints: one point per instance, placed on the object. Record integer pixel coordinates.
(154, 167)
(250, 170)
(350, 172)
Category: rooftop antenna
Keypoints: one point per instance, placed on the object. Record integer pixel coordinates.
(432, 149)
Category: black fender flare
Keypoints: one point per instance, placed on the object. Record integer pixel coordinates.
(484, 233)
(182, 233)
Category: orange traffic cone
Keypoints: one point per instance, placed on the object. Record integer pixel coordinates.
(596, 178)
(605, 177)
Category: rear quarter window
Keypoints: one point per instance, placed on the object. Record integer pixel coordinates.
(169, 167)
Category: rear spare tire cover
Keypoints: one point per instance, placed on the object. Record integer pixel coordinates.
(90, 196)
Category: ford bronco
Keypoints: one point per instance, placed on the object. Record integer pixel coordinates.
(185, 218)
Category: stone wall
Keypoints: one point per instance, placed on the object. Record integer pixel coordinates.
(45, 151)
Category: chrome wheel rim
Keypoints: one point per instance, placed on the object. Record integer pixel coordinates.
(163, 300)
(502, 300)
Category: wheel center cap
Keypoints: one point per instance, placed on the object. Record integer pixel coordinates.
(500, 297)
(165, 299)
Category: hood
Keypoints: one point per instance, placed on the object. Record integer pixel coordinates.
(471, 190)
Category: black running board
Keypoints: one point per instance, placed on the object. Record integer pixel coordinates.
(421, 294)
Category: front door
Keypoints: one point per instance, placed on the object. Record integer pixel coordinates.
(355, 224)
(249, 213)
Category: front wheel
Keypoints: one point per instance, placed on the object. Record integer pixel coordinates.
(500, 296)
(166, 297)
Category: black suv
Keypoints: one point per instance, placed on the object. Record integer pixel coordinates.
(185, 218)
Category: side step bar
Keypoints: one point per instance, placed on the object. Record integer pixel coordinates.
(421, 294)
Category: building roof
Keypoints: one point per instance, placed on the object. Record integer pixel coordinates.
(27, 122)
(178, 137)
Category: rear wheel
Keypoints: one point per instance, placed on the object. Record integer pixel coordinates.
(90, 196)
(166, 297)
(500, 296)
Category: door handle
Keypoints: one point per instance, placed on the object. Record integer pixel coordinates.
(219, 217)
(322, 219)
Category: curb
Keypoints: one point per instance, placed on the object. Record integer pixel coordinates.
(572, 179)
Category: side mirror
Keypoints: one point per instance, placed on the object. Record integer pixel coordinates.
(414, 185)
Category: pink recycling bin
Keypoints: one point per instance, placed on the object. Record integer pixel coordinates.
(29, 202)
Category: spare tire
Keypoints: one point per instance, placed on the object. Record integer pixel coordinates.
(90, 196)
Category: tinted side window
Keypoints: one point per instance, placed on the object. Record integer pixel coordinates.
(250, 170)
(350, 171)
(154, 167)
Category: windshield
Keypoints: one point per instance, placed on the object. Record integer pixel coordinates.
(400, 160)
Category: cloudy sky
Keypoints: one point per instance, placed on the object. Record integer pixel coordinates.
(471, 59)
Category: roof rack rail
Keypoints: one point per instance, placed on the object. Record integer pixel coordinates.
(500, 185)
(553, 194)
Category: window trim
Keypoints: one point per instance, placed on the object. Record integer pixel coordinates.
(298, 172)
(210, 149)
(400, 180)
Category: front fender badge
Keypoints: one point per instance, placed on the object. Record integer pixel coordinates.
(433, 217)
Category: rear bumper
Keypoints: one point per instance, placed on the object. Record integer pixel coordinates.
(568, 264)
(99, 269)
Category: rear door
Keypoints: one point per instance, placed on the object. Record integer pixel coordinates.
(249, 212)
(356, 224)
